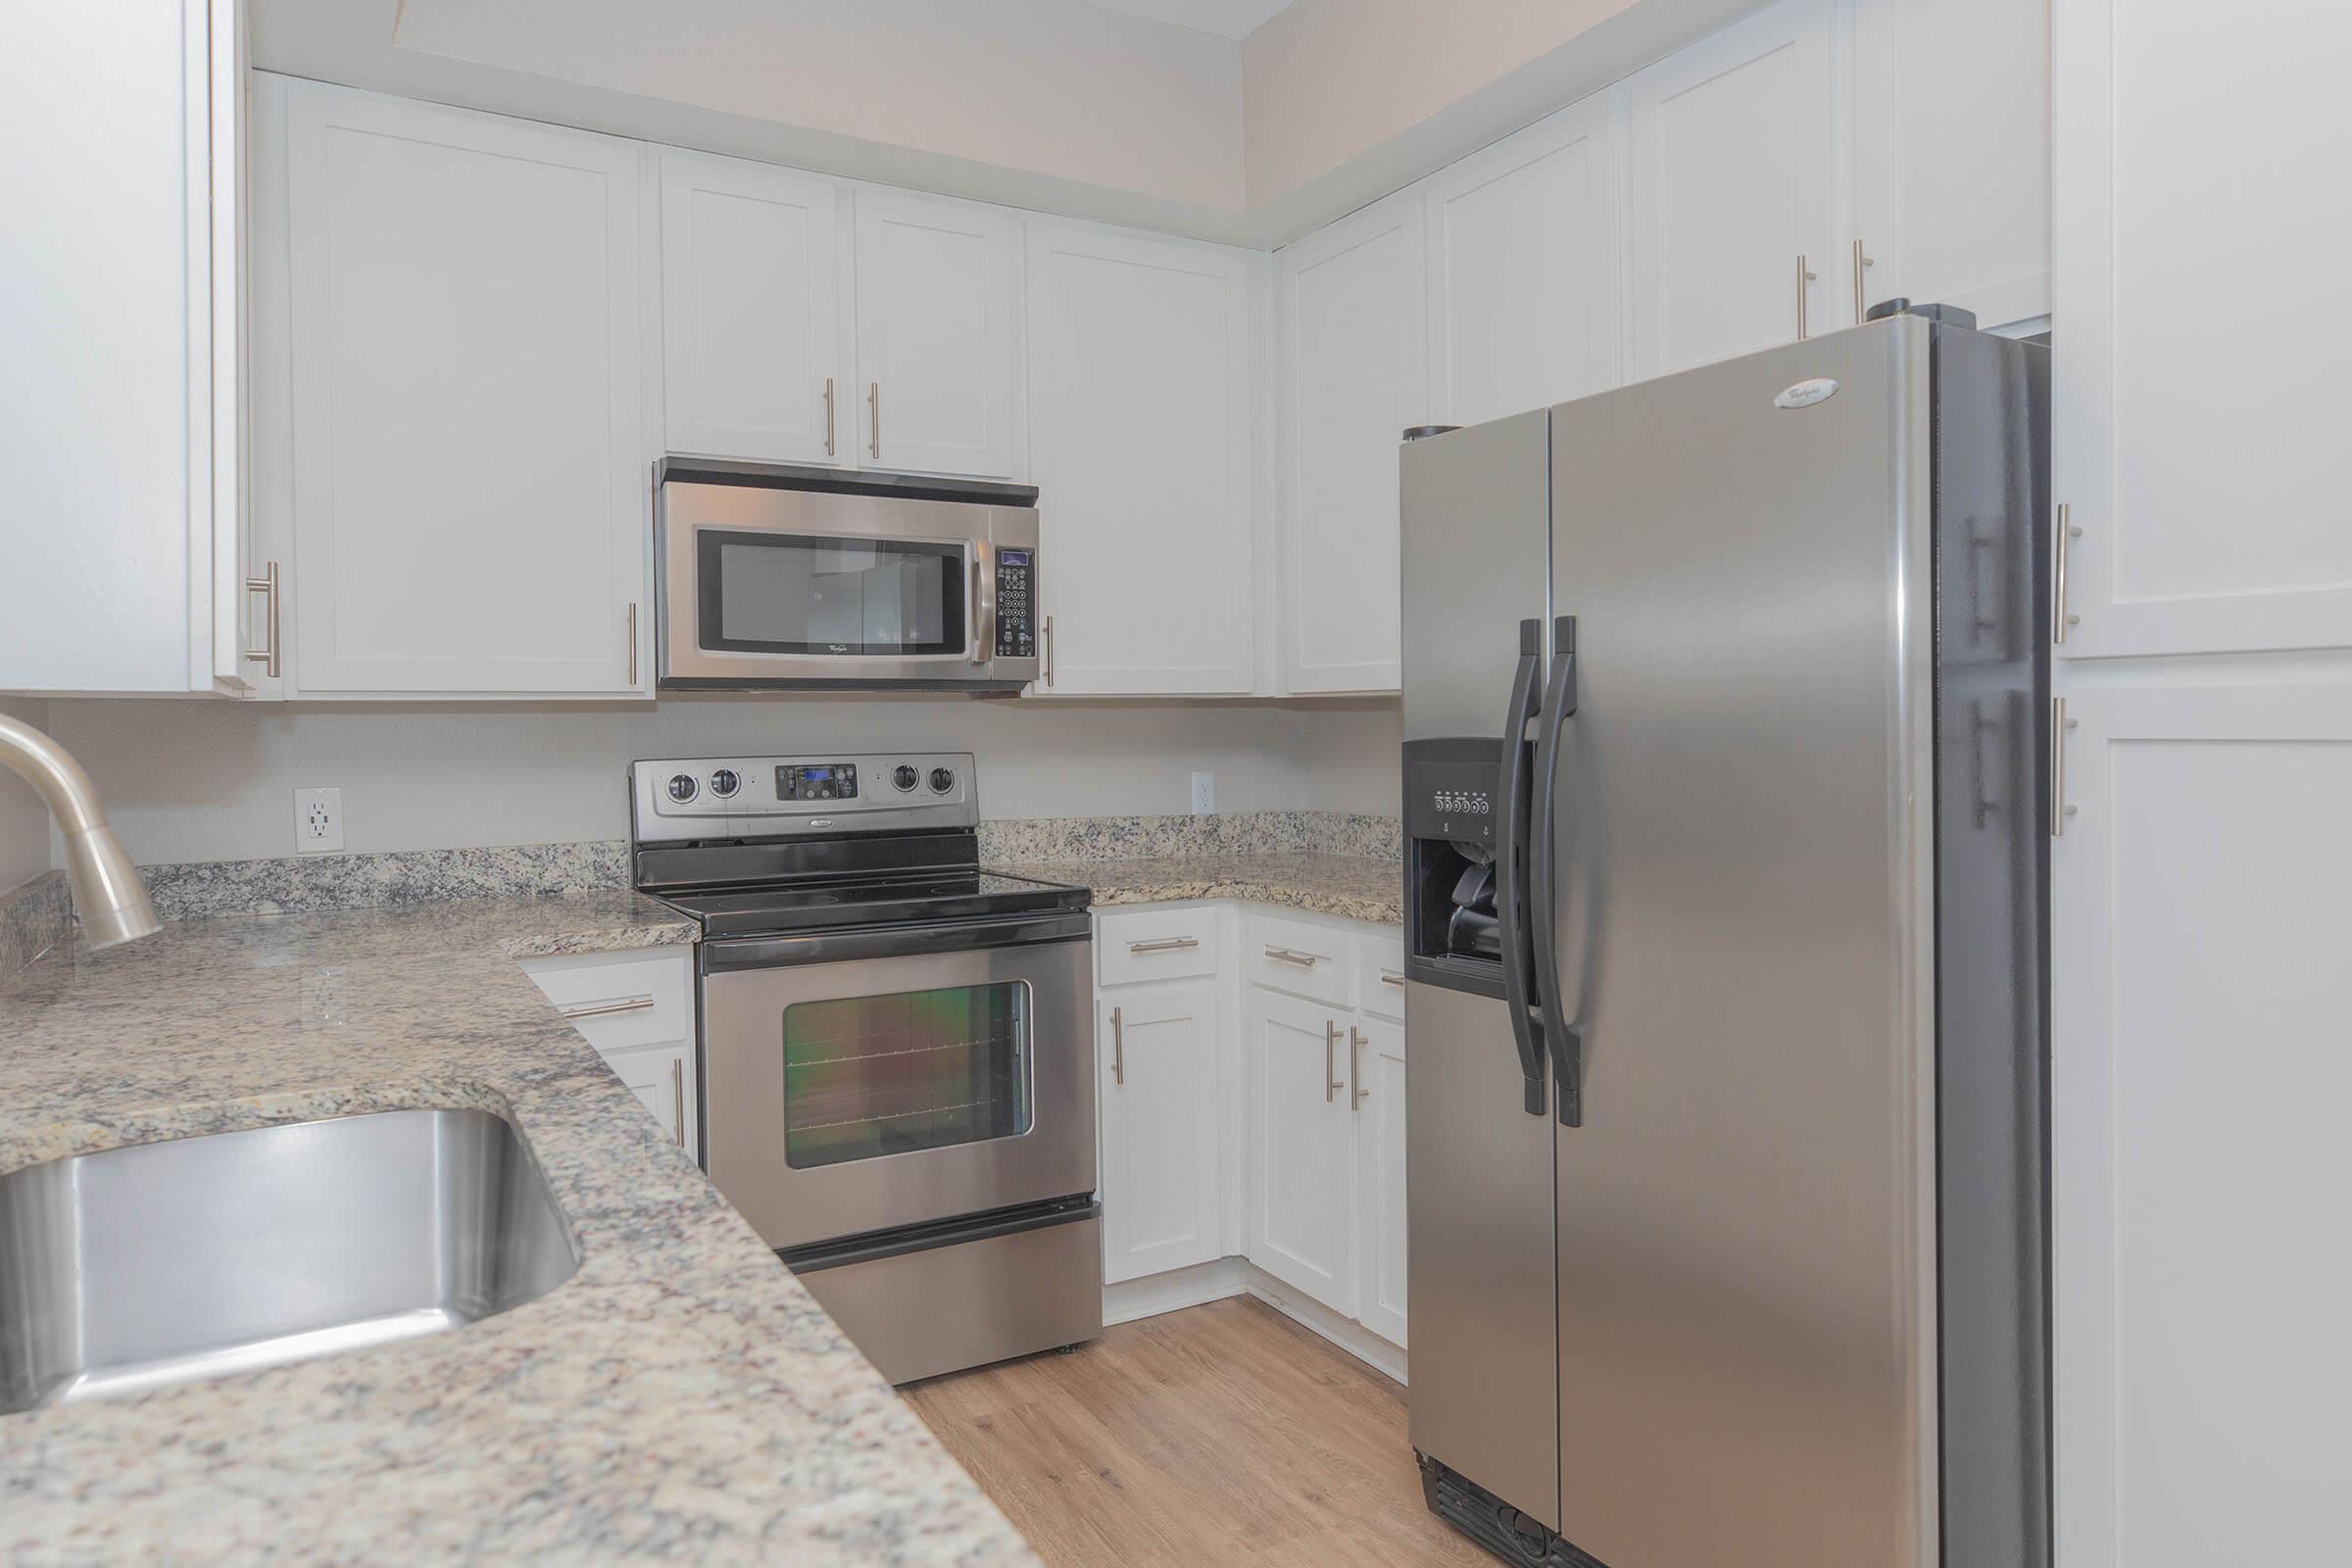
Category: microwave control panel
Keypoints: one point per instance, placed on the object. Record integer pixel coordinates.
(1016, 622)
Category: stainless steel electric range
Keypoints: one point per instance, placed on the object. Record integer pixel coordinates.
(898, 1083)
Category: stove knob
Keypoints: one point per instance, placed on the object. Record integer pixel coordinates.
(905, 775)
(724, 783)
(942, 780)
(682, 787)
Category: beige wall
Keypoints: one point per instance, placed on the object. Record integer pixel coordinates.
(215, 781)
(24, 819)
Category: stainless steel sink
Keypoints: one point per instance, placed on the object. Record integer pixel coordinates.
(162, 1262)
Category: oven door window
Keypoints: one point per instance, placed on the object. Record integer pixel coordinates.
(867, 1076)
(777, 593)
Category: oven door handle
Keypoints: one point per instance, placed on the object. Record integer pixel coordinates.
(984, 602)
(729, 954)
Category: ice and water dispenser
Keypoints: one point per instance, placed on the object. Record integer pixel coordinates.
(1453, 929)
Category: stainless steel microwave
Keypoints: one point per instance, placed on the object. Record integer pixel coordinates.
(777, 576)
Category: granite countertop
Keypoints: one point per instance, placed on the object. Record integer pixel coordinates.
(1357, 888)
(681, 1397)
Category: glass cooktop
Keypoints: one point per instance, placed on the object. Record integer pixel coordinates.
(901, 899)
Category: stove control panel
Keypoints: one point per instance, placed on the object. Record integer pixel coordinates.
(674, 800)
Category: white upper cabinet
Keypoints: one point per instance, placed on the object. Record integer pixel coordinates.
(755, 342)
(1523, 264)
(1353, 302)
(1139, 439)
(938, 347)
(2198, 420)
(1952, 151)
(470, 470)
(121, 338)
(1738, 165)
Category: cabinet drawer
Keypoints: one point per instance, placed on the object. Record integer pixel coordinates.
(1380, 967)
(1306, 960)
(1157, 944)
(620, 999)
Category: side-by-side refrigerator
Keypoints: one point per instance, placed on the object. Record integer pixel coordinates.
(1726, 727)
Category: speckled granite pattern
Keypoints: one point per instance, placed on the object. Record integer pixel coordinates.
(33, 918)
(304, 882)
(1133, 838)
(1352, 887)
(680, 1399)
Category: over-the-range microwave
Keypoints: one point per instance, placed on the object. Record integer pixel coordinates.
(777, 576)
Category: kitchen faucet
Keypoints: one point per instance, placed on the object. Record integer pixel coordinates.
(107, 891)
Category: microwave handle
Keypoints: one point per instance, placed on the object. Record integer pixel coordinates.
(984, 602)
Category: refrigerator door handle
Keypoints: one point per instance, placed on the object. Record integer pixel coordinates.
(1566, 1040)
(1510, 894)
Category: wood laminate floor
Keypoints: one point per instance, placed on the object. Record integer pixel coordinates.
(1220, 1434)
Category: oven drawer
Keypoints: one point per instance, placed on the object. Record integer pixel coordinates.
(1306, 960)
(620, 999)
(1173, 943)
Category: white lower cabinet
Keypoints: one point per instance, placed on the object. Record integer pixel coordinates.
(1253, 1115)
(1158, 1086)
(636, 1009)
(1301, 1147)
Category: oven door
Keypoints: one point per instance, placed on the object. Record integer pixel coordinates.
(864, 1080)
(783, 586)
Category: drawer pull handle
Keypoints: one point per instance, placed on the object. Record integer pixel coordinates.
(605, 1009)
(1304, 960)
(1389, 977)
(1163, 945)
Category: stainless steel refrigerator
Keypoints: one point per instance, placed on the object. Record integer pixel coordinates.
(1725, 730)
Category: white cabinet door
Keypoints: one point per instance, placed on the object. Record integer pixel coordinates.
(1376, 1084)
(2203, 907)
(661, 1077)
(936, 341)
(1523, 264)
(1303, 1140)
(471, 499)
(1952, 147)
(1735, 144)
(1352, 305)
(2199, 420)
(753, 330)
(1139, 443)
(1159, 1078)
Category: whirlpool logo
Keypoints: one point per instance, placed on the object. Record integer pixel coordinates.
(1805, 394)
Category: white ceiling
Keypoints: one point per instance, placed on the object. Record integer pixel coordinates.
(1229, 18)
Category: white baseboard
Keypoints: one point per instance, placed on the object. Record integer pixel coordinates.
(1178, 1289)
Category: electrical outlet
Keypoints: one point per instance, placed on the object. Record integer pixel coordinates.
(318, 819)
(1204, 794)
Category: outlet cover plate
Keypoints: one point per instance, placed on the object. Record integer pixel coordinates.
(318, 820)
(1204, 794)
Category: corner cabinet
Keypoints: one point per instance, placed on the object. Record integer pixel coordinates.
(1139, 445)
(1352, 301)
(122, 408)
(636, 1010)
(938, 341)
(470, 512)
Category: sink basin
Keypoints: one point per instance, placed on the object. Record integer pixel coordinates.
(130, 1268)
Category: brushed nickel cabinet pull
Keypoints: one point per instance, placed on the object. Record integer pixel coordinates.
(873, 412)
(677, 1099)
(1046, 637)
(266, 656)
(2067, 533)
(1389, 977)
(1331, 1042)
(1357, 1094)
(1163, 945)
(829, 416)
(2059, 725)
(1118, 1048)
(607, 1008)
(1804, 276)
(1304, 960)
(1861, 261)
(632, 643)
